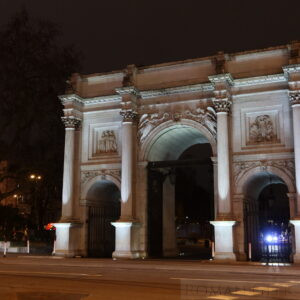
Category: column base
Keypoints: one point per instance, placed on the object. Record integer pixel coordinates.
(126, 254)
(224, 240)
(296, 254)
(67, 239)
(125, 244)
(225, 256)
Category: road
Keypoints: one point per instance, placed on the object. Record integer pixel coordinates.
(50, 278)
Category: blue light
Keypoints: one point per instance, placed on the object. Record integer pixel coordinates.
(271, 238)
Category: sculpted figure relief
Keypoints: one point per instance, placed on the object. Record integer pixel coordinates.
(262, 130)
(206, 117)
(107, 143)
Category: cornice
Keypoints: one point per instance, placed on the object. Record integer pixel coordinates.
(243, 82)
(70, 98)
(221, 78)
(291, 69)
(127, 90)
(88, 101)
(205, 87)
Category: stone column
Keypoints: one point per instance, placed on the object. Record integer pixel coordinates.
(71, 123)
(126, 244)
(222, 107)
(224, 224)
(67, 227)
(295, 103)
(292, 73)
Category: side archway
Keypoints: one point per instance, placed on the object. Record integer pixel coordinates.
(267, 208)
(104, 205)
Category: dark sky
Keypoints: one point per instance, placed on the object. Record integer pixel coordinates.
(112, 34)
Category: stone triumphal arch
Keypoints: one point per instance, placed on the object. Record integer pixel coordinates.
(189, 150)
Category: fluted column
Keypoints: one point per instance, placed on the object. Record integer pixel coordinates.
(295, 103)
(67, 233)
(127, 165)
(222, 107)
(292, 73)
(126, 239)
(223, 225)
(71, 123)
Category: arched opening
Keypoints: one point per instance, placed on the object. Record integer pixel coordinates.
(104, 206)
(267, 215)
(180, 194)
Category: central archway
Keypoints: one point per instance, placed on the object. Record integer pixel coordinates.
(180, 192)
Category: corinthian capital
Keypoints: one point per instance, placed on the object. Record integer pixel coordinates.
(222, 105)
(128, 115)
(71, 122)
(294, 97)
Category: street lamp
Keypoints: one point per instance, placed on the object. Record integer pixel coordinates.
(35, 177)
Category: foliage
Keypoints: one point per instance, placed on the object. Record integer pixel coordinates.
(11, 221)
(34, 67)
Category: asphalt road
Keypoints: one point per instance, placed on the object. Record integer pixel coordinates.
(50, 278)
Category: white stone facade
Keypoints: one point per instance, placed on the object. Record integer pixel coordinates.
(246, 105)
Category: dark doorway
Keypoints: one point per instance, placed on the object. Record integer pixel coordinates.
(267, 224)
(104, 207)
(192, 175)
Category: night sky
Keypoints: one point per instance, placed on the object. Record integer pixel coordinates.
(112, 34)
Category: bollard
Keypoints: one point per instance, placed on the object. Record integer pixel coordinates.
(4, 253)
(28, 247)
(54, 247)
(250, 251)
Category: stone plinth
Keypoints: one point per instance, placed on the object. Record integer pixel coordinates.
(124, 240)
(224, 239)
(67, 239)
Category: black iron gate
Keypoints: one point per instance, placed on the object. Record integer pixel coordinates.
(268, 239)
(101, 234)
(155, 211)
(276, 243)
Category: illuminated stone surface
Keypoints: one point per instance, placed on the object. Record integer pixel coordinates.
(249, 114)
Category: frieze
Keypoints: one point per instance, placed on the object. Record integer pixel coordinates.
(87, 175)
(242, 167)
(206, 117)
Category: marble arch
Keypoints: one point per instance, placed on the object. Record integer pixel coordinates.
(249, 113)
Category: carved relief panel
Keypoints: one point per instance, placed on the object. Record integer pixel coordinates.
(262, 130)
(261, 127)
(104, 141)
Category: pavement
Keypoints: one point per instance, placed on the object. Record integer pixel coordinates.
(25, 277)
